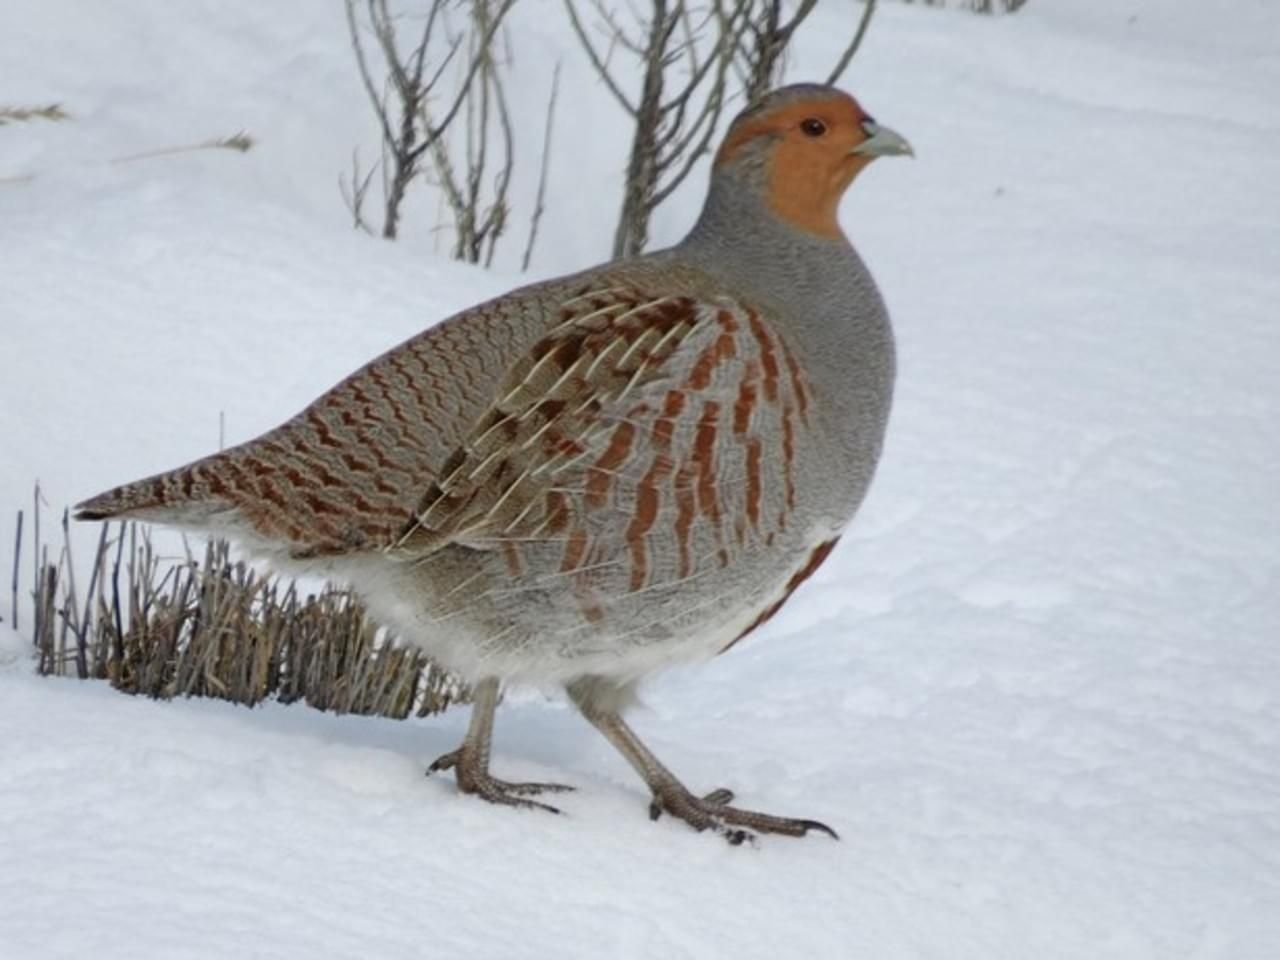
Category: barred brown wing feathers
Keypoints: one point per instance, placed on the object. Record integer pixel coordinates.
(659, 430)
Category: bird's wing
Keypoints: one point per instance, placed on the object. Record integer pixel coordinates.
(636, 411)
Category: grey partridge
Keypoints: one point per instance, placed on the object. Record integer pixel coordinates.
(600, 475)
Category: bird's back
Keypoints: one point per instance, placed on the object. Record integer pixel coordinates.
(346, 472)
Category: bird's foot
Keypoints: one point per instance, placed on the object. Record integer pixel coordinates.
(712, 812)
(473, 777)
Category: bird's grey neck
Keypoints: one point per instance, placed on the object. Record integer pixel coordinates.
(814, 282)
(738, 237)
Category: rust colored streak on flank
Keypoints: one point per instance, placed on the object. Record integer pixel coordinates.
(768, 357)
(600, 474)
(788, 458)
(753, 482)
(704, 451)
(726, 320)
(724, 348)
(648, 499)
(188, 482)
(819, 554)
(745, 405)
(574, 549)
(798, 385)
(686, 508)
(639, 563)
(664, 426)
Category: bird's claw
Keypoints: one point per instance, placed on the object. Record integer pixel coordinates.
(474, 778)
(712, 812)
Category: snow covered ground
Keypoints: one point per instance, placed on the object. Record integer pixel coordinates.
(1037, 688)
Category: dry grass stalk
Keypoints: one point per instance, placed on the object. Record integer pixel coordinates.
(977, 6)
(217, 628)
(239, 142)
(51, 111)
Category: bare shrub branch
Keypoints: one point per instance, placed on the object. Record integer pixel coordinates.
(684, 59)
(765, 43)
(355, 190)
(761, 54)
(846, 58)
(408, 130)
(478, 220)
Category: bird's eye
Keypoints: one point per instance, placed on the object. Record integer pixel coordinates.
(813, 127)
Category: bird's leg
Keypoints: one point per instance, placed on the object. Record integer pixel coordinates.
(711, 811)
(470, 762)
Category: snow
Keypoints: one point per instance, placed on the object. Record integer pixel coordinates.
(1036, 688)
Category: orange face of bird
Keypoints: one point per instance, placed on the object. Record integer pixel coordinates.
(814, 147)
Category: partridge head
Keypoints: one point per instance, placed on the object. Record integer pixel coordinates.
(799, 150)
(595, 477)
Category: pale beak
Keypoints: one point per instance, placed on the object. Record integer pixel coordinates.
(882, 142)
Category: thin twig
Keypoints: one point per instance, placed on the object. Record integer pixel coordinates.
(539, 201)
(17, 558)
(599, 64)
(846, 57)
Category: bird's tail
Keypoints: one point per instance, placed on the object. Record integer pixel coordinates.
(174, 496)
